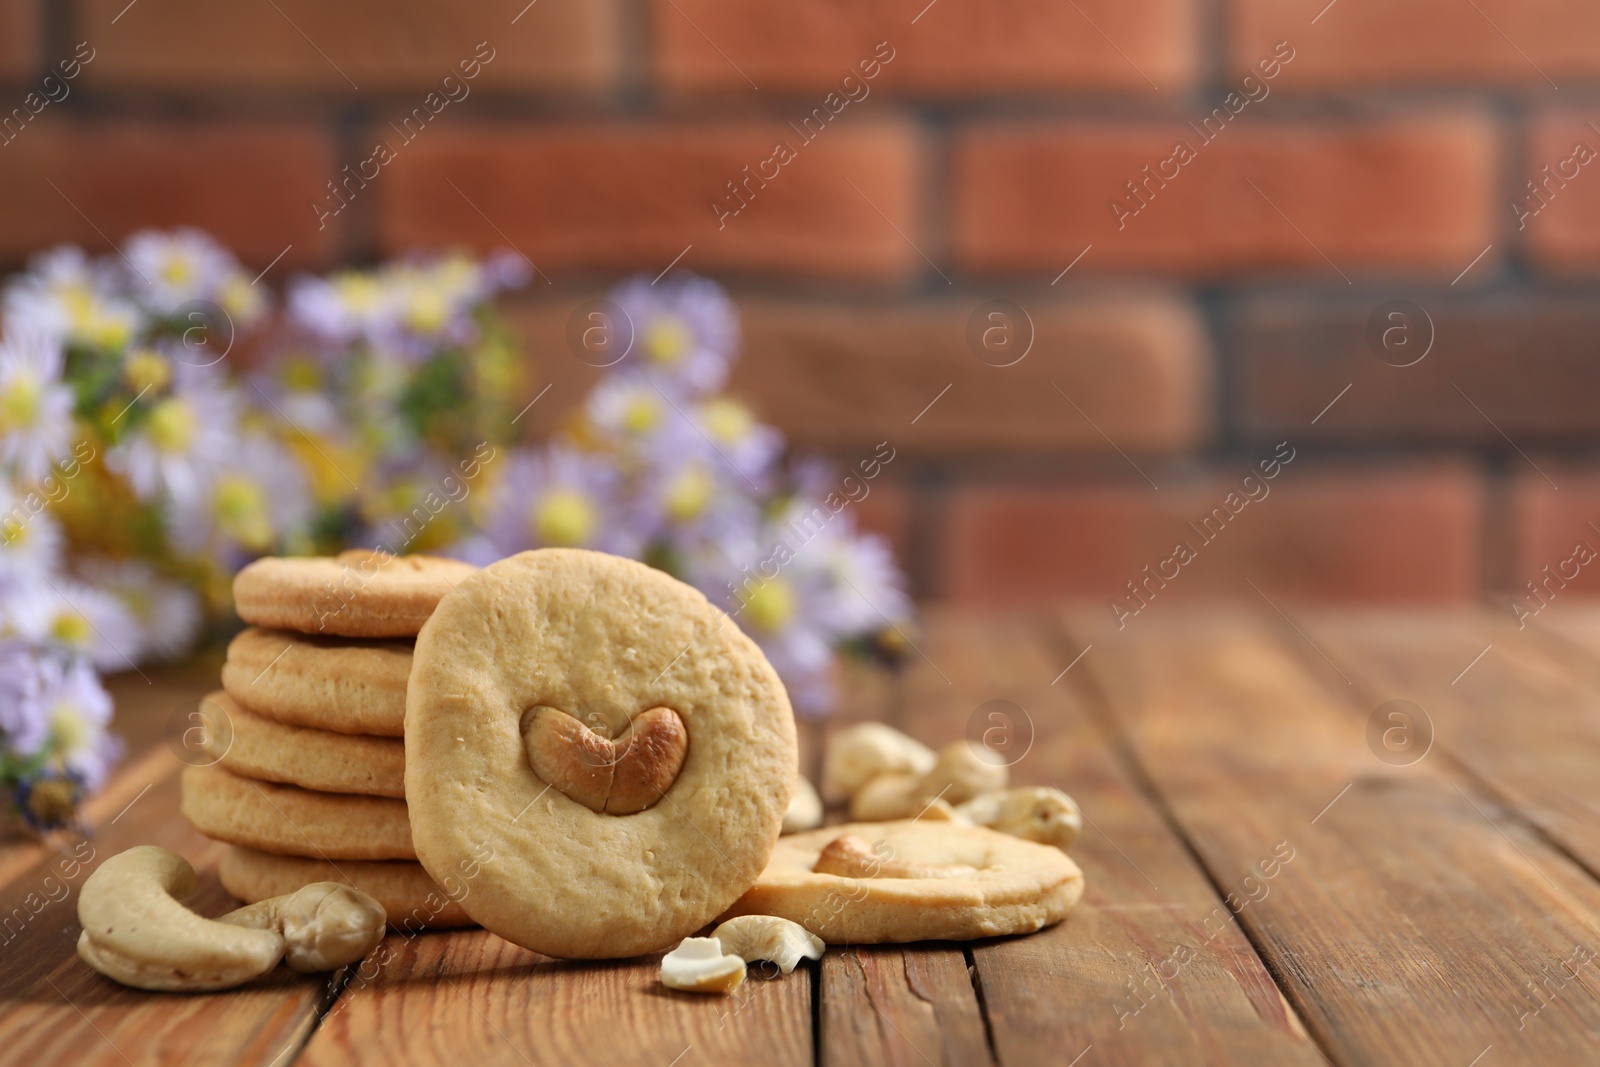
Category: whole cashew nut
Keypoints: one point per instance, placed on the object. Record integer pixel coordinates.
(849, 856)
(136, 931)
(1038, 813)
(862, 752)
(958, 775)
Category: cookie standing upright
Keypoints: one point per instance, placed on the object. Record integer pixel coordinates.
(616, 747)
(358, 593)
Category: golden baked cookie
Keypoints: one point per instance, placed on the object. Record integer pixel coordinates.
(412, 900)
(261, 748)
(293, 821)
(359, 593)
(865, 883)
(625, 751)
(346, 685)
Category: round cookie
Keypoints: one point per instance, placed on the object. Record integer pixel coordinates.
(345, 685)
(914, 881)
(606, 673)
(412, 900)
(294, 821)
(257, 747)
(359, 593)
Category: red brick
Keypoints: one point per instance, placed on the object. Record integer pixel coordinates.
(1547, 525)
(847, 377)
(953, 48)
(1526, 361)
(1412, 192)
(1559, 222)
(841, 378)
(247, 183)
(1393, 534)
(376, 44)
(19, 40)
(1421, 42)
(632, 197)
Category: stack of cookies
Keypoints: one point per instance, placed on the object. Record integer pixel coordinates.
(305, 768)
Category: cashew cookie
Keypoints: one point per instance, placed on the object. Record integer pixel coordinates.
(865, 883)
(257, 747)
(624, 750)
(346, 685)
(293, 821)
(412, 900)
(358, 593)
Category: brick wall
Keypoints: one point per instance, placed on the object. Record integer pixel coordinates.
(1228, 223)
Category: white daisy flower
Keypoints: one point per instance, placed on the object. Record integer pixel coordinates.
(348, 306)
(24, 723)
(685, 332)
(30, 538)
(75, 618)
(36, 426)
(256, 499)
(558, 498)
(738, 438)
(183, 441)
(65, 294)
(173, 268)
(166, 613)
(629, 408)
(77, 710)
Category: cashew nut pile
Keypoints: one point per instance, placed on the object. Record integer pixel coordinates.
(136, 931)
(883, 774)
(716, 964)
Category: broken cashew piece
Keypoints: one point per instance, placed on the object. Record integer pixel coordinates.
(698, 965)
(767, 937)
(886, 797)
(863, 752)
(805, 808)
(136, 932)
(1037, 813)
(849, 856)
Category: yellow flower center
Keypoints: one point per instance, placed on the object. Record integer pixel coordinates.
(564, 518)
(688, 493)
(71, 629)
(240, 299)
(302, 375)
(240, 507)
(146, 370)
(770, 606)
(641, 415)
(727, 420)
(19, 404)
(426, 311)
(177, 271)
(68, 729)
(666, 340)
(172, 425)
(360, 292)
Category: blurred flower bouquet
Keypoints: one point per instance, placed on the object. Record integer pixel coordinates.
(161, 424)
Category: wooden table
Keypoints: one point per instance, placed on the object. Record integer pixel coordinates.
(1279, 872)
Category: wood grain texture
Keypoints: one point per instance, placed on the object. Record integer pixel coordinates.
(1416, 919)
(900, 1005)
(1115, 977)
(1514, 705)
(470, 997)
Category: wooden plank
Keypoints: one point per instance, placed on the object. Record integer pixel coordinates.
(470, 997)
(1416, 918)
(900, 1005)
(1514, 706)
(1133, 976)
(57, 1010)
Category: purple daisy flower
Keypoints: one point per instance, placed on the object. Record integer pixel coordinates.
(685, 333)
